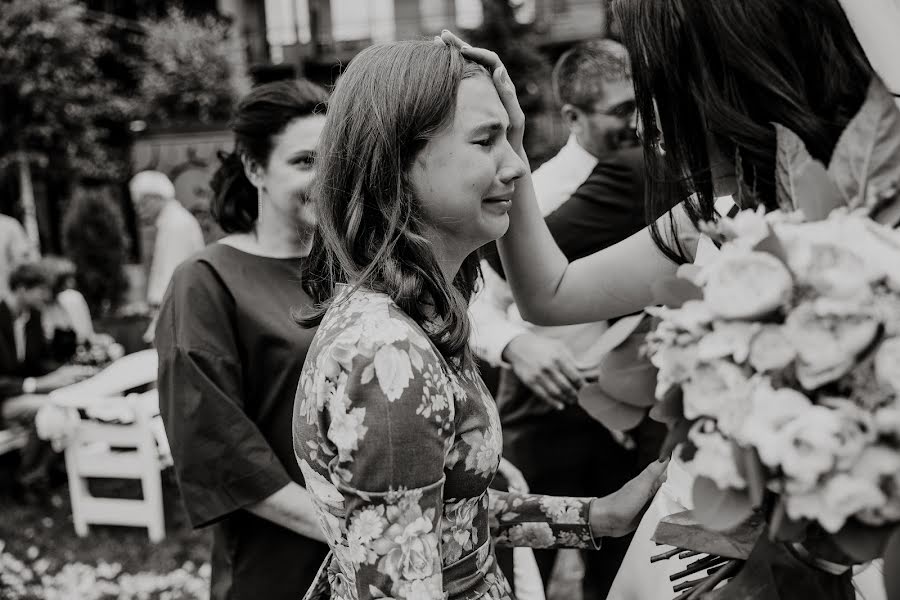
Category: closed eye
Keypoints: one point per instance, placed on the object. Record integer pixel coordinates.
(487, 142)
(305, 160)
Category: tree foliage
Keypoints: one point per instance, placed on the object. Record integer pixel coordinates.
(517, 45)
(94, 239)
(56, 105)
(187, 76)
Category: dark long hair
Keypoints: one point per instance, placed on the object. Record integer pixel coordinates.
(721, 73)
(260, 116)
(389, 102)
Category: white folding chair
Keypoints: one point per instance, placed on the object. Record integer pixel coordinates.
(115, 450)
(115, 438)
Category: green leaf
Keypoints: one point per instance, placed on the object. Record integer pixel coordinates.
(791, 157)
(862, 542)
(612, 413)
(784, 529)
(801, 182)
(892, 566)
(674, 292)
(718, 509)
(678, 433)
(866, 158)
(669, 410)
(751, 469)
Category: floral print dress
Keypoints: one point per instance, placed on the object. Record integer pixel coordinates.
(398, 451)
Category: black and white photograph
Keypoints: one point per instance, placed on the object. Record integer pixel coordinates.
(449, 299)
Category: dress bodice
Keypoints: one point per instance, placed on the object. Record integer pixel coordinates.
(398, 448)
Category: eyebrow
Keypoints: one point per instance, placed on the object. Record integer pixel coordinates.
(489, 127)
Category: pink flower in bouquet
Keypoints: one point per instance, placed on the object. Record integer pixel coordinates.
(747, 285)
(770, 410)
(715, 388)
(880, 466)
(834, 501)
(813, 446)
(887, 364)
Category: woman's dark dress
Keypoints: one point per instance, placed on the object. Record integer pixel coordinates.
(229, 360)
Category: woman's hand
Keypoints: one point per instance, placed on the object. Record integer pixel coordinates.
(619, 513)
(515, 481)
(505, 87)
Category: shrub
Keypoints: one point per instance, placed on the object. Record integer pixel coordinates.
(94, 239)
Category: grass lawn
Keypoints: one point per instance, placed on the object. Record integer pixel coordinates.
(41, 557)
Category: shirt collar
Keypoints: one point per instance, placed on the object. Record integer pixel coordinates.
(576, 155)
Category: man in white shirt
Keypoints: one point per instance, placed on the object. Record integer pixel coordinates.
(592, 196)
(178, 234)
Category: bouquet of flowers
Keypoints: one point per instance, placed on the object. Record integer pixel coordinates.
(99, 351)
(779, 364)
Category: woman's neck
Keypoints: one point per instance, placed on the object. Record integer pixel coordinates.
(273, 239)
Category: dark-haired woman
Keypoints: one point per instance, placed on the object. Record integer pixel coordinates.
(230, 354)
(711, 77)
(396, 434)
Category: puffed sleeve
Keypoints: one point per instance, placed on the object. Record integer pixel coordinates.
(222, 461)
(537, 521)
(386, 412)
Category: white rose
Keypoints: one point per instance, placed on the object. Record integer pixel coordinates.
(770, 350)
(770, 410)
(747, 285)
(747, 229)
(715, 457)
(393, 370)
(827, 345)
(833, 502)
(814, 445)
(887, 364)
(830, 269)
(694, 316)
(880, 466)
(728, 339)
(712, 387)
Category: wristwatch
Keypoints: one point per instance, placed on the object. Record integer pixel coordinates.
(29, 385)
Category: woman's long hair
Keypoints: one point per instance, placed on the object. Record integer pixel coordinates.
(260, 116)
(721, 72)
(389, 102)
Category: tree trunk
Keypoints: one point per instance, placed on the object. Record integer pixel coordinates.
(26, 197)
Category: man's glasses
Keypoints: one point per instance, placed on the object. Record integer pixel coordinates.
(623, 110)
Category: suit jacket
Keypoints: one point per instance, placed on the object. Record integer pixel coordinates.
(37, 360)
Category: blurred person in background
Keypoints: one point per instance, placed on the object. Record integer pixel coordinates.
(592, 196)
(178, 235)
(67, 317)
(28, 371)
(230, 353)
(15, 249)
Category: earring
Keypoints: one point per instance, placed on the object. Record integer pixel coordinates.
(259, 204)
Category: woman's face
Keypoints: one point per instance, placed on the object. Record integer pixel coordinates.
(465, 176)
(289, 173)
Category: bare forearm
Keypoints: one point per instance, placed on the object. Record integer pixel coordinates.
(533, 262)
(292, 508)
(550, 291)
(876, 23)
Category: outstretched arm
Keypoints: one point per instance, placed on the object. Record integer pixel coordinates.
(876, 23)
(547, 288)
